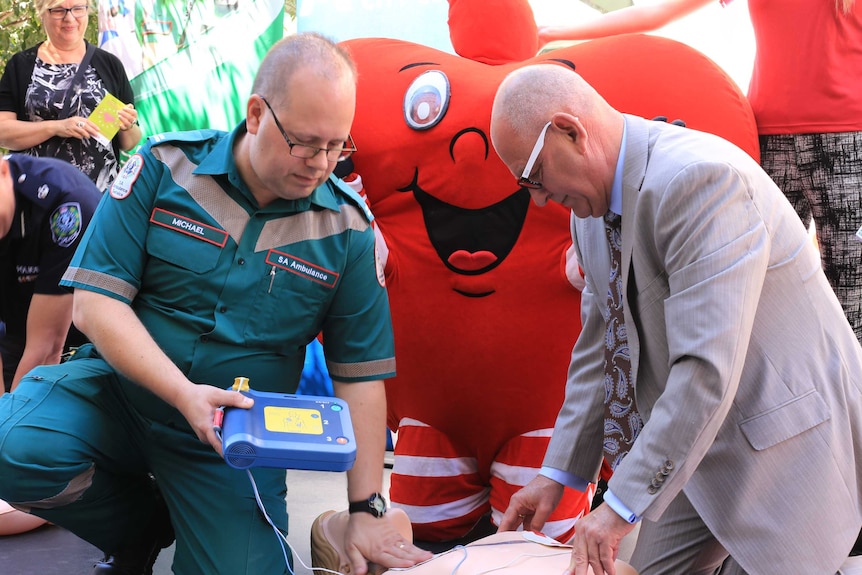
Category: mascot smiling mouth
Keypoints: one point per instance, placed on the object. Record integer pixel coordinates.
(471, 242)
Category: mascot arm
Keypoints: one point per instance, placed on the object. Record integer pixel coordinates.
(354, 180)
(573, 269)
(574, 273)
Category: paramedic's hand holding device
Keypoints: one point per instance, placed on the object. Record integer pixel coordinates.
(287, 431)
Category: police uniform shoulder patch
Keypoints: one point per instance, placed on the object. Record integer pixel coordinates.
(122, 186)
(65, 224)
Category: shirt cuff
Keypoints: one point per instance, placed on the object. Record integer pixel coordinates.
(565, 478)
(614, 503)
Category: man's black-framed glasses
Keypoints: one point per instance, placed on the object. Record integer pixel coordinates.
(524, 180)
(78, 12)
(307, 152)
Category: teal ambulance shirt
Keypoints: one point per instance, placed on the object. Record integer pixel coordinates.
(228, 289)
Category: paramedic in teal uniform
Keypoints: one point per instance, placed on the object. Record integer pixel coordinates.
(214, 255)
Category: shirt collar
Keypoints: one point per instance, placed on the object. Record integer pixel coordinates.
(616, 204)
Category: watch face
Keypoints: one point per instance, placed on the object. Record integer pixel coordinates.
(375, 505)
(378, 504)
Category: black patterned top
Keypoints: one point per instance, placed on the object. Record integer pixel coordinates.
(35, 95)
(46, 96)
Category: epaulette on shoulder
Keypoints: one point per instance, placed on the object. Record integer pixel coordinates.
(175, 137)
(353, 196)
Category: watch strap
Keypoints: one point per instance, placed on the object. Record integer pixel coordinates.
(375, 505)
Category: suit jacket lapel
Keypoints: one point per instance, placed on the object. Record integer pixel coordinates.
(634, 170)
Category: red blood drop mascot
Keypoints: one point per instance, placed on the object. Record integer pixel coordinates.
(484, 311)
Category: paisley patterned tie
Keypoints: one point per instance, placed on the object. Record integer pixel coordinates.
(622, 420)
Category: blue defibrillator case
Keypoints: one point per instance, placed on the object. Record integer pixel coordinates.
(288, 431)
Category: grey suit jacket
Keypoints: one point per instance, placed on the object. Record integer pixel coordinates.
(747, 374)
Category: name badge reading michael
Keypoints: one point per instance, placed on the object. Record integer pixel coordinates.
(302, 268)
(189, 227)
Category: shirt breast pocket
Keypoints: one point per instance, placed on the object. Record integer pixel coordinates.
(289, 308)
(182, 250)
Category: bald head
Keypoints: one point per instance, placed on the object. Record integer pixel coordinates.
(308, 52)
(583, 136)
(529, 96)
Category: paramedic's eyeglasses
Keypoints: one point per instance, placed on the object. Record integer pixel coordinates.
(77, 11)
(525, 180)
(307, 152)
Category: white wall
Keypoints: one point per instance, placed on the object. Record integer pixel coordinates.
(722, 33)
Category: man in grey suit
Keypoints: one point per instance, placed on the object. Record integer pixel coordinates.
(745, 371)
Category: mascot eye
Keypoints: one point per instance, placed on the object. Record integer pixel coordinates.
(426, 100)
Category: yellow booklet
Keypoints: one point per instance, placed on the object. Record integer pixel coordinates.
(106, 117)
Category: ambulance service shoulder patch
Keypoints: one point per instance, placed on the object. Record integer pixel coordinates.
(122, 186)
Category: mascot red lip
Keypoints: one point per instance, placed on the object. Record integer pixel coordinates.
(484, 311)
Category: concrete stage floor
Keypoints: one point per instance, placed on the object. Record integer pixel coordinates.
(51, 550)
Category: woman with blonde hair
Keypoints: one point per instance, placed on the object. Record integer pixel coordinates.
(49, 91)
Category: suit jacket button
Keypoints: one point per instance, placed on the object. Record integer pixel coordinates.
(668, 464)
(655, 483)
(652, 490)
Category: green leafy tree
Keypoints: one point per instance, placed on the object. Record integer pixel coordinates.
(21, 28)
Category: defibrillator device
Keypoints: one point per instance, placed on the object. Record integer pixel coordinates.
(287, 431)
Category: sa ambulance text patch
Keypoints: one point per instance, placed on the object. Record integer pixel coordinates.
(122, 186)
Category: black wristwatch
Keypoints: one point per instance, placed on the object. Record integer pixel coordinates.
(375, 505)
